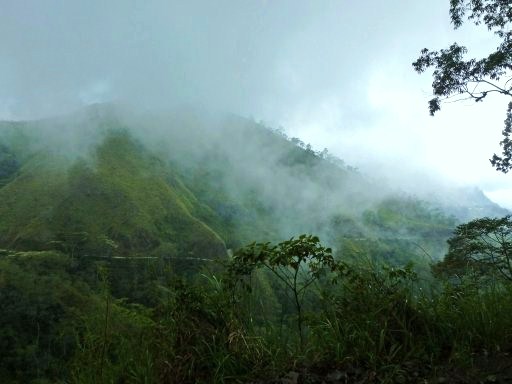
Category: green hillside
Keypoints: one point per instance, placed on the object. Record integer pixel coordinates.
(103, 184)
(122, 200)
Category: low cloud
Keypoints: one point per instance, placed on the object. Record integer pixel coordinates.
(337, 74)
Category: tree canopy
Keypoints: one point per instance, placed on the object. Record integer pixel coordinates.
(297, 263)
(475, 78)
(483, 245)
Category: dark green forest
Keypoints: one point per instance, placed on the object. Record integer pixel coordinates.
(230, 253)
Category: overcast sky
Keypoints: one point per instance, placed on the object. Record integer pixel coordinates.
(337, 74)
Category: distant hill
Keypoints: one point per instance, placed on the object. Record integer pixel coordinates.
(468, 203)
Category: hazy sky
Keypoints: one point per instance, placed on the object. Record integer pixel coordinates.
(337, 74)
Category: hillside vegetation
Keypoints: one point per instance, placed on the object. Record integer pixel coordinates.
(168, 249)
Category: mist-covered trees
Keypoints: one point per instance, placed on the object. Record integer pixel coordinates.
(474, 78)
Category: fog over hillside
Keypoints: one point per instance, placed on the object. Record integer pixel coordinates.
(188, 182)
(319, 70)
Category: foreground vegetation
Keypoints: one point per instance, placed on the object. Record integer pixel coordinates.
(287, 311)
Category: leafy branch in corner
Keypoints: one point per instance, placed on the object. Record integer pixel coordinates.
(472, 78)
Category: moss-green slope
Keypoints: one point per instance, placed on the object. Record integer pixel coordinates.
(124, 194)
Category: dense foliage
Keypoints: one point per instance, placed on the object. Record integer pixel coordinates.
(483, 246)
(62, 323)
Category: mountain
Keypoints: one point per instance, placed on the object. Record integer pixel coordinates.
(468, 203)
(111, 183)
(121, 196)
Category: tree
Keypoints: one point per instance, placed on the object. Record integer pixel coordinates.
(297, 263)
(454, 74)
(484, 245)
(71, 243)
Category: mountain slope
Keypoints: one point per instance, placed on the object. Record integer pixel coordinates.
(108, 183)
(122, 194)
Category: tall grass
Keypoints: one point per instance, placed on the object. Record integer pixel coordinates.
(377, 321)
